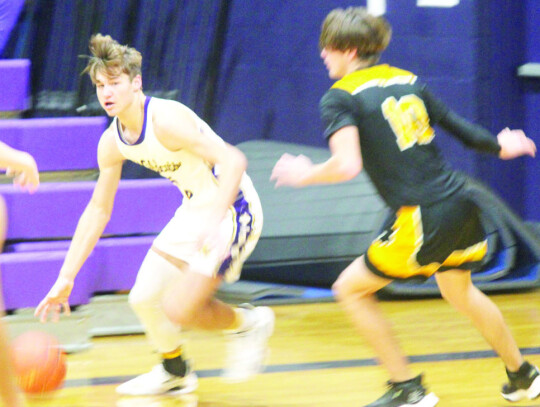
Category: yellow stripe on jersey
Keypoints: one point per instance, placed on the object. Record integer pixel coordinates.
(375, 76)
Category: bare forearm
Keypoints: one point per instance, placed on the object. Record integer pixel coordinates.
(12, 158)
(89, 230)
(331, 171)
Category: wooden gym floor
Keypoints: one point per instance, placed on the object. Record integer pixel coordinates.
(318, 360)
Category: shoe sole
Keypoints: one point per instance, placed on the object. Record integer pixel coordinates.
(191, 385)
(531, 393)
(430, 400)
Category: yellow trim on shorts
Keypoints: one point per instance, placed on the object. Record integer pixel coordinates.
(473, 253)
(396, 258)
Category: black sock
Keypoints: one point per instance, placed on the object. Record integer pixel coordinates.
(176, 366)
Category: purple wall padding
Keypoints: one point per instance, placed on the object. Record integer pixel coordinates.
(15, 84)
(141, 207)
(120, 259)
(30, 269)
(28, 277)
(57, 144)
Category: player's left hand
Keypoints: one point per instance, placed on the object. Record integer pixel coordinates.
(514, 143)
(290, 170)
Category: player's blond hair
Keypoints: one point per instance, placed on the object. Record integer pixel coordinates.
(354, 27)
(111, 58)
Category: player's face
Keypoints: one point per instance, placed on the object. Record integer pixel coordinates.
(336, 62)
(116, 93)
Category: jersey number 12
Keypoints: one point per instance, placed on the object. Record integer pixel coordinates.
(409, 120)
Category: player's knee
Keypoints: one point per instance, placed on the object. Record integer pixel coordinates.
(140, 304)
(344, 291)
(179, 313)
(339, 291)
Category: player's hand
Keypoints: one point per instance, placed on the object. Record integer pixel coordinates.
(210, 236)
(55, 301)
(25, 175)
(514, 143)
(290, 170)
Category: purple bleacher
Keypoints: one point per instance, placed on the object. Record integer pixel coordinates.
(141, 207)
(29, 269)
(15, 83)
(120, 259)
(28, 277)
(57, 144)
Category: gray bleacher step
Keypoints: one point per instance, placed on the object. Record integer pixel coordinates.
(60, 176)
(71, 330)
(111, 315)
(261, 293)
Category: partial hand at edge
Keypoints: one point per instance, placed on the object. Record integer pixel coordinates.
(514, 143)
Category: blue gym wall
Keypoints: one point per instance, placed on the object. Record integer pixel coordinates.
(531, 91)
(270, 83)
(252, 68)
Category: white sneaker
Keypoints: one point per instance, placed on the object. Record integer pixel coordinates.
(159, 381)
(247, 350)
(187, 400)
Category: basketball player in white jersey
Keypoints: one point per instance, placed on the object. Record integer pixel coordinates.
(208, 239)
(23, 168)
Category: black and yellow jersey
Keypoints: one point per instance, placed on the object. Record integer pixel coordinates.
(394, 115)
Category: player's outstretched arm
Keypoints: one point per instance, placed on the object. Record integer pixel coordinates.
(344, 164)
(89, 229)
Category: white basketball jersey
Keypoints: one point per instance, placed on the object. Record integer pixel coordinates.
(195, 177)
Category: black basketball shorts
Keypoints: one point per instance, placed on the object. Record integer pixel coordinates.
(417, 241)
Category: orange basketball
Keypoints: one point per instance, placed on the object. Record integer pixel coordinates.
(40, 363)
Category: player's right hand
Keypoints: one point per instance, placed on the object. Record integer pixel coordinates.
(25, 175)
(56, 299)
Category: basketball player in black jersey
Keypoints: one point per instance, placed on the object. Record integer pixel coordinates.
(380, 118)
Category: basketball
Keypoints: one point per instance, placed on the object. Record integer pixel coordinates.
(40, 363)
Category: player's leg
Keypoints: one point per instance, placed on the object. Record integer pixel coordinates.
(191, 302)
(8, 389)
(355, 290)
(457, 288)
(9, 392)
(174, 375)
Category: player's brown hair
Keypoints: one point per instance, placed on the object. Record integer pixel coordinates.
(111, 58)
(354, 27)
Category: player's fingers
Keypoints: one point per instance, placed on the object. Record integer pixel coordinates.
(56, 312)
(43, 313)
(40, 307)
(532, 147)
(67, 309)
(277, 171)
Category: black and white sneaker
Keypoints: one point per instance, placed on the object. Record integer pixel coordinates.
(406, 394)
(523, 384)
(159, 381)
